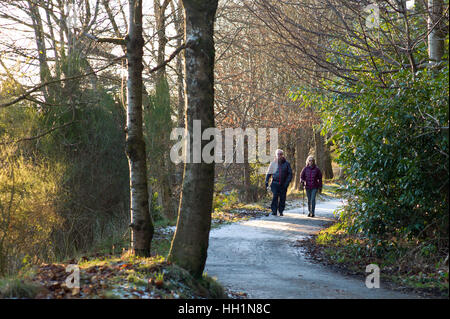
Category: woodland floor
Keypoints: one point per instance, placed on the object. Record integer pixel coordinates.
(252, 254)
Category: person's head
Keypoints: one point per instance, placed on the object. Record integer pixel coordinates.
(310, 161)
(279, 154)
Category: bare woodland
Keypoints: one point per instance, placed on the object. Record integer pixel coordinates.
(104, 83)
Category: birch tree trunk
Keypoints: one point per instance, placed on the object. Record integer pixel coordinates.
(190, 243)
(141, 223)
(436, 34)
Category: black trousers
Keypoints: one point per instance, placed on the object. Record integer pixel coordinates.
(279, 198)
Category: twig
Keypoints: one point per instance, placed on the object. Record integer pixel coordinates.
(36, 88)
(171, 57)
(119, 41)
(40, 135)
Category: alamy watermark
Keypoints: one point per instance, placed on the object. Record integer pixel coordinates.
(71, 10)
(373, 279)
(188, 149)
(73, 280)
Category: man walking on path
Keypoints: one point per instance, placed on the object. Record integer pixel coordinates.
(281, 173)
(311, 179)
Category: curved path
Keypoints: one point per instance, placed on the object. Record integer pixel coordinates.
(258, 257)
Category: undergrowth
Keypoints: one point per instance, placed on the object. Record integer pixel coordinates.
(404, 264)
(112, 277)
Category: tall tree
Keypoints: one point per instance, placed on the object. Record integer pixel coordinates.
(141, 222)
(322, 154)
(165, 167)
(190, 243)
(303, 144)
(436, 30)
(44, 70)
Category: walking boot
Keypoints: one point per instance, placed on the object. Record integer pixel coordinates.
(281, 214)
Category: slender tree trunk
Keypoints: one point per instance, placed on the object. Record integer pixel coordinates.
(160, 15)
(304, 135)
(323, 158)
(166, 167)
(289, 152)
(141, 222)
(179, 67)
(190, 242)
(436, 34)
(319, 149)
(249, 193)
(328, 168)
(48, 8)
(180, 83)
(44, 70)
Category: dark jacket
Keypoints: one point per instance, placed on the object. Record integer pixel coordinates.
(312, 176)
(282, 175)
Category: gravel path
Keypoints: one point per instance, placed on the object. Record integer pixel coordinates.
(258, 257)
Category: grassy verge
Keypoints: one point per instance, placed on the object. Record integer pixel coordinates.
(409, 265)
(110, 271)
(329, 191)
(404, 265)
(239, 212)
(111, 277)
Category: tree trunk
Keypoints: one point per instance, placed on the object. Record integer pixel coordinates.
(190, 242)
(44, 70)
(304, 135)
(166, 167)
(319, 149)
(436, 31)
(328, 168)
(141, 222)
(179, 69)
(180, 85)
(323, 158)
(249, 193)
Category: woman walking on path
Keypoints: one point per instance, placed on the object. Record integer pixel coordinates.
(311, 179)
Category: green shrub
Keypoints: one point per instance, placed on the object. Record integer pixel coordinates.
(225, 199)
(393, 145)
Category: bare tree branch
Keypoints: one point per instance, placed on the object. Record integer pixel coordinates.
(119, 41)
(37, 88)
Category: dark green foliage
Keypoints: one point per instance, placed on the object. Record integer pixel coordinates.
(95, 197)
(388, 114)
(93, 149)
(393, 144)
(157, 127)
(158, 123)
